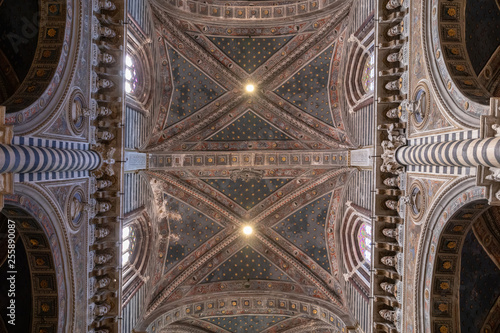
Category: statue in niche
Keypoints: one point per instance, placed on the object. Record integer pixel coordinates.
(102, 258)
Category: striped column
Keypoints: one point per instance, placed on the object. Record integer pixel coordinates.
(468, 153)
(27, 159)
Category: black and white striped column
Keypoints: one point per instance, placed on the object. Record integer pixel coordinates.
(468, 153)
(28, 159)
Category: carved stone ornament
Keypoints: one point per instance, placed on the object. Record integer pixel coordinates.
(246, 174)
(388, 156)
(495, 174)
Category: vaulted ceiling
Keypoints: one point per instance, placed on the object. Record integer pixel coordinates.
(222, 158)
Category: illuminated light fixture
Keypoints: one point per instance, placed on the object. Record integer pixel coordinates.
(247, 230)
(250, 88)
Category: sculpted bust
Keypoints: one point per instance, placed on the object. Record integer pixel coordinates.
(101, 232)
(106, 5)
(389, 287)
(392, 233)
(392, 181)
(103, 184)
(388, 315)
(393, 4)
(107, 32)
(103, 283)
(101, 259)
(391, 204)
(389, 261)
(102, 309)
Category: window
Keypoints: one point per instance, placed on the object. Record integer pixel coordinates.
(368, 75)
(130, 75)
(128, 244)
(365, 241)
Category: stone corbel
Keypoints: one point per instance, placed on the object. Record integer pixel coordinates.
(490, 177)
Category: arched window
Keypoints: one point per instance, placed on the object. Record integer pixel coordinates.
(364, 241)
(367, 79)
(131, 80)
(128, 244)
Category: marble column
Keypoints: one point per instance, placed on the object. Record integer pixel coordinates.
(27, 159)
(467, 153)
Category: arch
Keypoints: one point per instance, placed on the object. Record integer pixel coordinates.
(452, 75)
(30, 201)
(360, 67)
(356, 263)
(443, 231)
(134, 272)
(40, 94)
(235, 12)
(223, 304)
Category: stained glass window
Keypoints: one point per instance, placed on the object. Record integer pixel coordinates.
(130, 75)
(365, 241)
(128, 244)
(368, 74)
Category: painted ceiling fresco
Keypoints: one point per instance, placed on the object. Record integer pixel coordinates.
(243, 324)
(208, 123)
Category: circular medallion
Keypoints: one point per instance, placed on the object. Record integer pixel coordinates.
(417, 201)
(76, 116)
(421, 106)
(76, 208)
